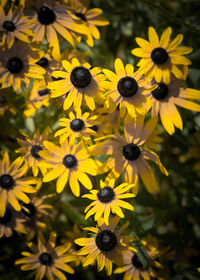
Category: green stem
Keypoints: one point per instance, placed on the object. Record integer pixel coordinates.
(170, 16)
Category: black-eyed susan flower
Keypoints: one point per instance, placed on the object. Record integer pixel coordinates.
(166, 97)
(39, 96)
(89, 17)
(80, 82)
(77, 126)
(130, 154)
(51, 19)
(69, 163)
(14, 25)
(12, 186)
(126, 88)
(17, 64)
(133, 267)
(30, 148)
(108, 198)
(49, 64)
(11, 221)
(160, 58)
(47, 259)
(106, 246)
(34, 212)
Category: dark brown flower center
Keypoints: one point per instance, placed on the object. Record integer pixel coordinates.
(3, 100)
(80, 77)
(45, 259)
(131, 151)
(6, 181)
(43, 92)
(160, 92)
(70, 161)
(136, 262)
(159, 56)
(34, 151)
(77, 125)
(46, 16)
(81, 16)
(127, 86)
(9, 25)
(106, 240)
(14, 65)
(7, 217)
(106, 194)
(28, 209)
(43, 62)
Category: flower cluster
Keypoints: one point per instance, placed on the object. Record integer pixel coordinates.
(102, 136)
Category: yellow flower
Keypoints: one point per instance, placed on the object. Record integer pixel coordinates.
(31, 147)
(130, 154)
(11, 221)
(160, 58)
(133, 268)
(12, 187)
(106, 246)
(39, 96)
(108, 198)
(47, 259)
(14, 25)
(51, 19)
(126, 88)
(78, 82)
(90, 18)
(166, 97)
(17, 64)
(69, 163)
(75, 127)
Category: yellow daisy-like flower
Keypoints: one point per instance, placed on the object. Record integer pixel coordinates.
(12, 187)
(79, 82)
(39, 96)
(51, 19)
(160, 58)
(166, 97)
(133, 267)
(17, 64)
(31, 147)
(77, 126)
(126, 88)
(14, 25)
(107, 199)
(69, 163)
(90, 18)
(47, 259)
(130, 154)
(11, 221)
(106, 246)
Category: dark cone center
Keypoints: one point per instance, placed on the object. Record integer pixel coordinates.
(160, 92)
(28, 209)
(106, 194)
(159, 56)
(131, 151)
(14, 65)
(81, 16)
(34, 151)
(3, 100)
(7, 217)
(136, 262)
(45, 259)
(43, 62)
(77, 125)
(70, 161)
(6, 181)
(9, 25)
(80, 77)
(43, 92)
(127, 86)
(46, 16)
(106, 240)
